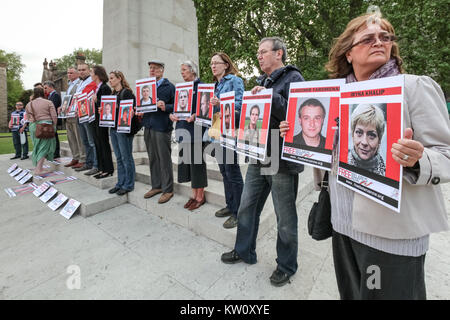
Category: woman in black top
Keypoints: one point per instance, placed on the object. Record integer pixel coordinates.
(101, 136)
(122, 142)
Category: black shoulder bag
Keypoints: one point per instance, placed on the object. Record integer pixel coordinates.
(319, 221)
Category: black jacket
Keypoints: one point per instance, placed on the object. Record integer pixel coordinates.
(280, 81)
(55, 97)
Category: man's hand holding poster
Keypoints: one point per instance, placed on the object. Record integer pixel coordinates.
(146, 97)
(125, 116)
(204, 107)
(371, 121)
(108, 111)
(254, 124)
(227, 127)
(183, 100)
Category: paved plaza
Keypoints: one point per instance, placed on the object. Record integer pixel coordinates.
(127, 252)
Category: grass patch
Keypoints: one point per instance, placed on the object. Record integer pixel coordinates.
(7, 146)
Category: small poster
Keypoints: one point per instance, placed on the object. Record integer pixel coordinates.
(371, 121)
(26, 178)
(146, 97)
(91, 104)
(48, 195)
(15, 121)
(63, 180)
(12, 168)
(183, 100)
(83, 108)
(20, 190)
(313, 109)
(73, 106)
(49, 174)
(22, 174)
(65, 107)
(57, 202)
(70, 209)
(205, 108)
(254, 124)
(15, 172)
(108, 111)
(124, 121)
(41, 189)
(227, 127)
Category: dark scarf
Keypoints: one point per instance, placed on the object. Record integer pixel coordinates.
(389, 69)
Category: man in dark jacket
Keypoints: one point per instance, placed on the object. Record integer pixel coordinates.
(55, 97)
(282, 182)
(158, 134)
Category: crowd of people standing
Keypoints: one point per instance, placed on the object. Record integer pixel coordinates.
(365, 234)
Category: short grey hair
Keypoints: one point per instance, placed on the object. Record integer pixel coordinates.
(277, 44)
(192, 66)
(50, 84)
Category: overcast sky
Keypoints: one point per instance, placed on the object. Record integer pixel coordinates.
(49, 29)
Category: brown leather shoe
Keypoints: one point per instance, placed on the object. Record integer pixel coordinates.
(71, 163)
(78, 165)
(152, 193)
(188, 204)
(165, 197)
(197, 204)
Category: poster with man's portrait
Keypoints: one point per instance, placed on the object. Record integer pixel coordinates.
(313, 109)
(83, 108)
(183, 100)
(371, 121)
(73, 106)
(65, 107)
(146, 97)
(15, 121)
(125, 116)
(91, 105)
(108, 111)
(205, 110)
(227, 127)
(254, 124)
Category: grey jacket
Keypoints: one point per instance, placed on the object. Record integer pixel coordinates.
(422, 205)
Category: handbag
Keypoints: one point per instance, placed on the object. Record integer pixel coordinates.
(319, 220)
(214, 131)
(43, 130)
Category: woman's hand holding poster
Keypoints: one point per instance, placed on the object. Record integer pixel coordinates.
(312, 111)
(371, 121)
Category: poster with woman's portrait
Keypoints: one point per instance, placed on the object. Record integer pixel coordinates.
(91, 104)
(183, 100)
(227, 127)
(254, 124)
(146, 95)
(65, 107)
(312, 112)
(125, 116)
(73, 106)
(83, 108)
(204, 113)
(371, 121)
(108, 111)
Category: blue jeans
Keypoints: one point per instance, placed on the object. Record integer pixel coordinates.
(87, 136)
(284, 189)
(123, 149)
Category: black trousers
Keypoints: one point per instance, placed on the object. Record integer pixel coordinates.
(103, 149)
(364, 273)
(21, 149)
(57, 152)
(189, 169)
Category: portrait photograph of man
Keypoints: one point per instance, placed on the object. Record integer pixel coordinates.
(205, 105)
(183, 101)
(311, 118)
(146, 94)
(107, 112)
(253, 124)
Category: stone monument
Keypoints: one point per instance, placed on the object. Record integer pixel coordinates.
(3, 99)
(136, 31)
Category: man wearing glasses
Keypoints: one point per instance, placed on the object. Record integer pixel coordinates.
(260, 182)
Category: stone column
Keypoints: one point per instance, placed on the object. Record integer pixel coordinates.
(3, 99)
(136, 31)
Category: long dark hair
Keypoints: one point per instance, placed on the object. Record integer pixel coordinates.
(100, 72)
(38, 93)
(123, 81)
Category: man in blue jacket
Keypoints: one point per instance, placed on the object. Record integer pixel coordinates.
(281, 181)
(157, 136)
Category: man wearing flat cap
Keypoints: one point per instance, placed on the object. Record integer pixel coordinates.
(157, 136)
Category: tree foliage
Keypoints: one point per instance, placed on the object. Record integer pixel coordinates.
(14, 70)
(93, 57)
(309, 27)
